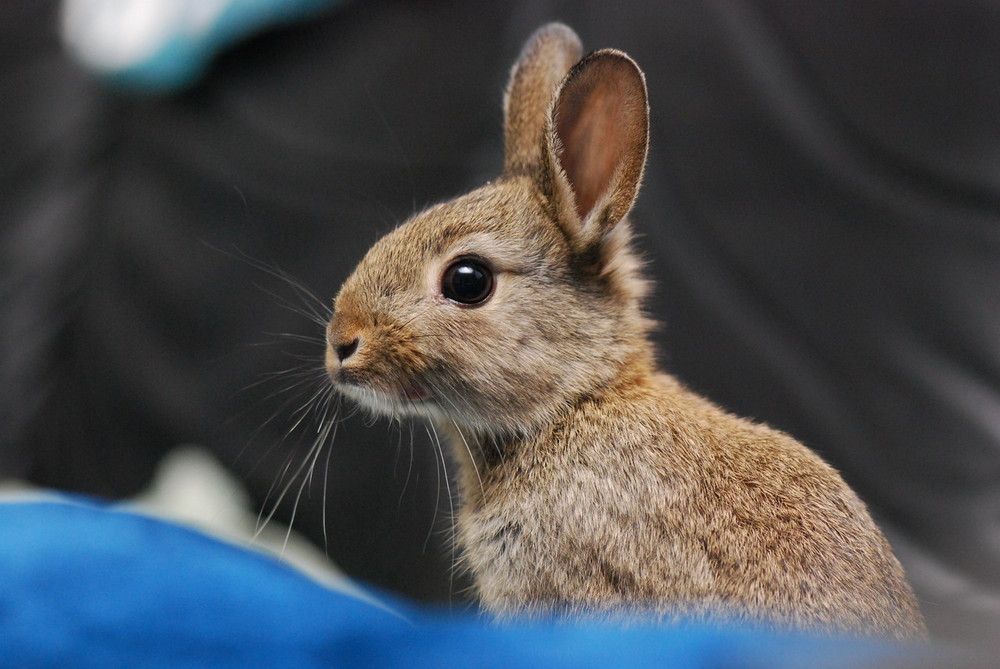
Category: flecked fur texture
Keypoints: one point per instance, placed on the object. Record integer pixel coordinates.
(592, 483)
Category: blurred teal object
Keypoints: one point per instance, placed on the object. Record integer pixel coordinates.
(95, 586)
(164, 45)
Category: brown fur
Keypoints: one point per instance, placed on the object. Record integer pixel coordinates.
(591, 483)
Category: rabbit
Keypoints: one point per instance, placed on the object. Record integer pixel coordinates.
(590, 482)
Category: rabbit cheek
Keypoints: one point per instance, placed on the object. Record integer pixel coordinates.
(401, 368)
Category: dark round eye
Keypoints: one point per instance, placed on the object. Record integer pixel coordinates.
(467, 281)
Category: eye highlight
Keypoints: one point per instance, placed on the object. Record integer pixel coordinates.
(468, 281)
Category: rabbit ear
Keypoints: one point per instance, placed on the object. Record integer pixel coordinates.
(545, 59)
(596, 140)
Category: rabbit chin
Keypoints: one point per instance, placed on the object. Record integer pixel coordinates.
(391, 405)
(440, 410)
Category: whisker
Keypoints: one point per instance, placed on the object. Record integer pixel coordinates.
(326, 475)
(436, 391)
(262, 520)
(475, 464)
(437, 499)
(409, 469)
(300, 377)
(451, 505)
(287, 488)
(308, 339)
(311, 307)
(317, 391)
(311, 458)
(305, 410)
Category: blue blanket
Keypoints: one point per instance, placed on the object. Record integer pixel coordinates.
(83, 585)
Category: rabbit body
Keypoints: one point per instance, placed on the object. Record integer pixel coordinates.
(648, 499)
(592, 483)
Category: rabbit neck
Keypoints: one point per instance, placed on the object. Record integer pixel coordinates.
(483, 456)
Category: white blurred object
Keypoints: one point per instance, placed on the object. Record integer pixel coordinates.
(111, 35)
(165, 45)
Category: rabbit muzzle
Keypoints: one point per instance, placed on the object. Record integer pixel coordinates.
(359, 365)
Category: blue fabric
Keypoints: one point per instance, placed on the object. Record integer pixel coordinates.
(89, 586)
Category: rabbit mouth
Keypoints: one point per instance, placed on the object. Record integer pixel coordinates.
(414, 391)
(408, 390)
(405, 397)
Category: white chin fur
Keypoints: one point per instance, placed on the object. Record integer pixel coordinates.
(393, 407)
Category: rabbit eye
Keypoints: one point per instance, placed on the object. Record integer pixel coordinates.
(467, 281)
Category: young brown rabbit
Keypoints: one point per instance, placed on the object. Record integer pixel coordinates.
(591, 483)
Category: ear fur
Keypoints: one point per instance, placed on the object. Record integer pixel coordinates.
(544, 61)
(595, 145)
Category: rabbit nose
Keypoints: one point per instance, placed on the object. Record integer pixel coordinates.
(342, 340)
(346, 350)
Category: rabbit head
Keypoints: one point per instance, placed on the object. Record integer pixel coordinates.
(497, 309)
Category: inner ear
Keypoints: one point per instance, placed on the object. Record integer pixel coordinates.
(601, 122)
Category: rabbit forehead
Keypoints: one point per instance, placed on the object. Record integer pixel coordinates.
(498, 222)
(504, 218)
